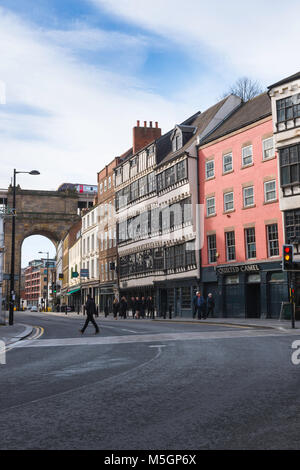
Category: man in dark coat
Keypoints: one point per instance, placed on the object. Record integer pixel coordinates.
(199, 306)
(210, 305)
(123, 307)
(150, 307)
(90, 308)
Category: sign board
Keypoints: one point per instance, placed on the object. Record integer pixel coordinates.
(6, 277)
(60, 276)
(84, 273)
(243, 268)
(75, 274)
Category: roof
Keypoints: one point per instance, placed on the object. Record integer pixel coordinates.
(247, 113)
(285, 80)
(199, 121)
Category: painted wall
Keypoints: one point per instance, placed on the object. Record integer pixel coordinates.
(256, 174)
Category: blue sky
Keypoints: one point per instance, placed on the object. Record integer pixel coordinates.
(78, 74)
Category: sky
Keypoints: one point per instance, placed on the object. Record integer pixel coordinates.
(76, 75)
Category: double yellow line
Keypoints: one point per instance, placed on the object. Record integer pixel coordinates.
(39, 331)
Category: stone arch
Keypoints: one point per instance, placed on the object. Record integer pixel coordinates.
(47, 213)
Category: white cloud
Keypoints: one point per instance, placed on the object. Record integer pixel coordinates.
(82, 114)
(259, 39)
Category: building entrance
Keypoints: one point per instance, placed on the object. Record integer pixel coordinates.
(253, 301)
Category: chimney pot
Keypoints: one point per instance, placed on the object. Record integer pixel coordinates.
(138, 123)
(150, 123)
(145, 123)
(156, 124)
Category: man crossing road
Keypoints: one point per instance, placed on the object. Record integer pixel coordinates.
(90, 308)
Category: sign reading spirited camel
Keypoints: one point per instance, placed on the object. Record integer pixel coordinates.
(248, 268)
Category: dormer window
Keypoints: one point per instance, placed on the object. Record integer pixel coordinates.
(176, 140)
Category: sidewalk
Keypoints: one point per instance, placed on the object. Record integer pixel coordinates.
(12, 334)
(245, 322)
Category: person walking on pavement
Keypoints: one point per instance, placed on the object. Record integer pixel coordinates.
(199, 306)
(123, 307)
(143, 307)
(210, 305)
(137, 307)
(116, 307)
(90, 308)
(150, 307)
(132, 306)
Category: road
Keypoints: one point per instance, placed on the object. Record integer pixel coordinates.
(145, 384)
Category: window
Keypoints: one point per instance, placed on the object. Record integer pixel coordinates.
(227, 163)
(209, 169)
(289, 159)
(272, 237)
(230, 246)
(109, 182)
(170, 176)
(190, 257)
(250, 243)
(212, 248)
(181, 170)
(288, 108)
(143, 186)
(93, 242)
(270, 191)
(177, 141)
(228, 202)
(248, 196)
(268, 148)
(247, 157)
(134, 190)
(101, 188)
(161, 181)
(210, 206)
(151, 182)
(105, 185)
(292, 226)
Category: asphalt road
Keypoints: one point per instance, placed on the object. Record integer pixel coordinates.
(149, 385)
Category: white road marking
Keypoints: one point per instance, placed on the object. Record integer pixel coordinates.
(150, 338)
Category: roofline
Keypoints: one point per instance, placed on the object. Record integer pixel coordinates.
(286, 80)
(234, 130)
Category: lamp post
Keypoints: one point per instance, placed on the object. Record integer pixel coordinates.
(13, 238)
(47, 266)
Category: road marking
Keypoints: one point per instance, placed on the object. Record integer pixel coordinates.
(150, 338)
(37, 334)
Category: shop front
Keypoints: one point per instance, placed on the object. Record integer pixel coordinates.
(253, 290)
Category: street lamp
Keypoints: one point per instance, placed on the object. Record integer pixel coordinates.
(13, 237)
(46, 253)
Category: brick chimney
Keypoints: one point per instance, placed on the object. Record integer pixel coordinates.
(143, 136)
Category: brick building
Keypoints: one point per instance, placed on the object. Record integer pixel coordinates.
(238, 185)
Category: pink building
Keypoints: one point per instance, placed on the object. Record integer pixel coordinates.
(238, 185)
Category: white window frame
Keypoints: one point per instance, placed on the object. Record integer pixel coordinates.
(227, 155)
(227, 194)
(247, 156)
(270, 191)
(109, 182)
(211, 169)
(209, 207)
(244, 196)
(269, 148)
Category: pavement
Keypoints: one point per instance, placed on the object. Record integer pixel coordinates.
(11, 334)
(283, 325)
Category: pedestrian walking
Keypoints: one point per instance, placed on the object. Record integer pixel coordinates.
(116, 307)
(150, 307)
(123, 307)
(90, 308)
(199, 305)
(137, 307)
(210, 305)
(143, 307)
(133, 306)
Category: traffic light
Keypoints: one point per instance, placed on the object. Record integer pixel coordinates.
(287, 260)
(53, 288)
(292, 295)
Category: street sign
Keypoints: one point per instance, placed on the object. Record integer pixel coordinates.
(84, 273)
(6, 277)
(75, 274)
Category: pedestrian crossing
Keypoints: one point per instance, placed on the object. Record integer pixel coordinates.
(150, 338)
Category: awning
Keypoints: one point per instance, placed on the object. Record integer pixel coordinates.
(73, 291)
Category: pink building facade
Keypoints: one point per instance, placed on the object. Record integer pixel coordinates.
(243, 234)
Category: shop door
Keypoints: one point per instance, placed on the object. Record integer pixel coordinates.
(253, 301)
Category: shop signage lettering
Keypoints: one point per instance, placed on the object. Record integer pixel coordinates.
(248, 268)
